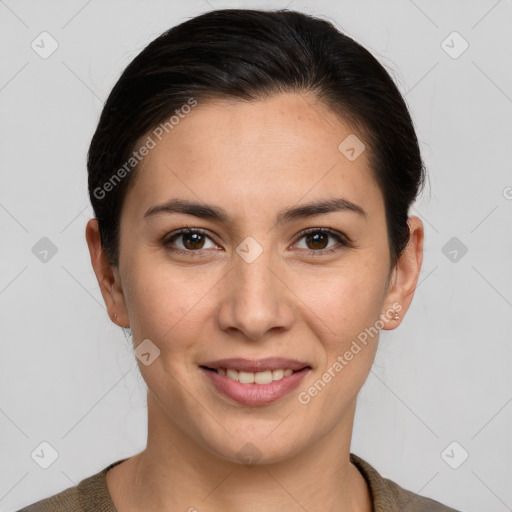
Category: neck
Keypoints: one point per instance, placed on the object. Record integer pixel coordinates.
(175, 472)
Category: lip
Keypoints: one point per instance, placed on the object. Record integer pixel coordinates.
(257, 365)
(255, 394)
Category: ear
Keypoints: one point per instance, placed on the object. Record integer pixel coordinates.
(107, 275)
(404, 277)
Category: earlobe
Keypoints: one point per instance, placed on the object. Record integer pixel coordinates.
(107, 276)
(405, 275)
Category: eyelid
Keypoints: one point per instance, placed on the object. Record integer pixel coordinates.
(342, 239)
(166, 240)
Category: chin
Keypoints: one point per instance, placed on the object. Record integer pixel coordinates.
(250, 447)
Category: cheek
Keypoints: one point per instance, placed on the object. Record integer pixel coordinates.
(158, 301)
(346, 299)
(346, 306)
(173, 307)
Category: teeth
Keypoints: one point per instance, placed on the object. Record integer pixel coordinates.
(265, 377)
(232, 374)
(246, 377)
(277, 374)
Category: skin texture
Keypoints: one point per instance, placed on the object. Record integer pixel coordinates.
(253, 160)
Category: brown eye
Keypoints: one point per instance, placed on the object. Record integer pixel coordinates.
(189, 241)
(193, 240)
(317, 241)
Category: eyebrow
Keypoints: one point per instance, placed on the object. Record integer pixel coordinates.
(205, 211)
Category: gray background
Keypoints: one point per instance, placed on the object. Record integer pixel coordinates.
(67, 374)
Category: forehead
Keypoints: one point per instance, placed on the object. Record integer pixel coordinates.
(266, 153)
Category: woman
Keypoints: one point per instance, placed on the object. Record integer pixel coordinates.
(251, 176)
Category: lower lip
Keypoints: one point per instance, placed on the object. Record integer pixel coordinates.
(255, 394)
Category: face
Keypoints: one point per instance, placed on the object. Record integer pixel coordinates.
(255, 272)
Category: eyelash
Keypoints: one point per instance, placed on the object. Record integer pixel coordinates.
(342, 240)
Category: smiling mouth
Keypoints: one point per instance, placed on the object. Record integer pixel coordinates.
(255, 382)
(263, 377)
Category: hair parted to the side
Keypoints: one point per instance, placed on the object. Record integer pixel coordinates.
(251, 55)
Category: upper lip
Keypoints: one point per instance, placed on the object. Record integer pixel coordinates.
(256, 365)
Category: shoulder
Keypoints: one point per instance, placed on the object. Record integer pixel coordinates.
(91, 494)
(388, 496)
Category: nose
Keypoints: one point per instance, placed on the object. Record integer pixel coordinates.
(256, 299)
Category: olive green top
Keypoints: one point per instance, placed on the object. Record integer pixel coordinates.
(92, 495)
